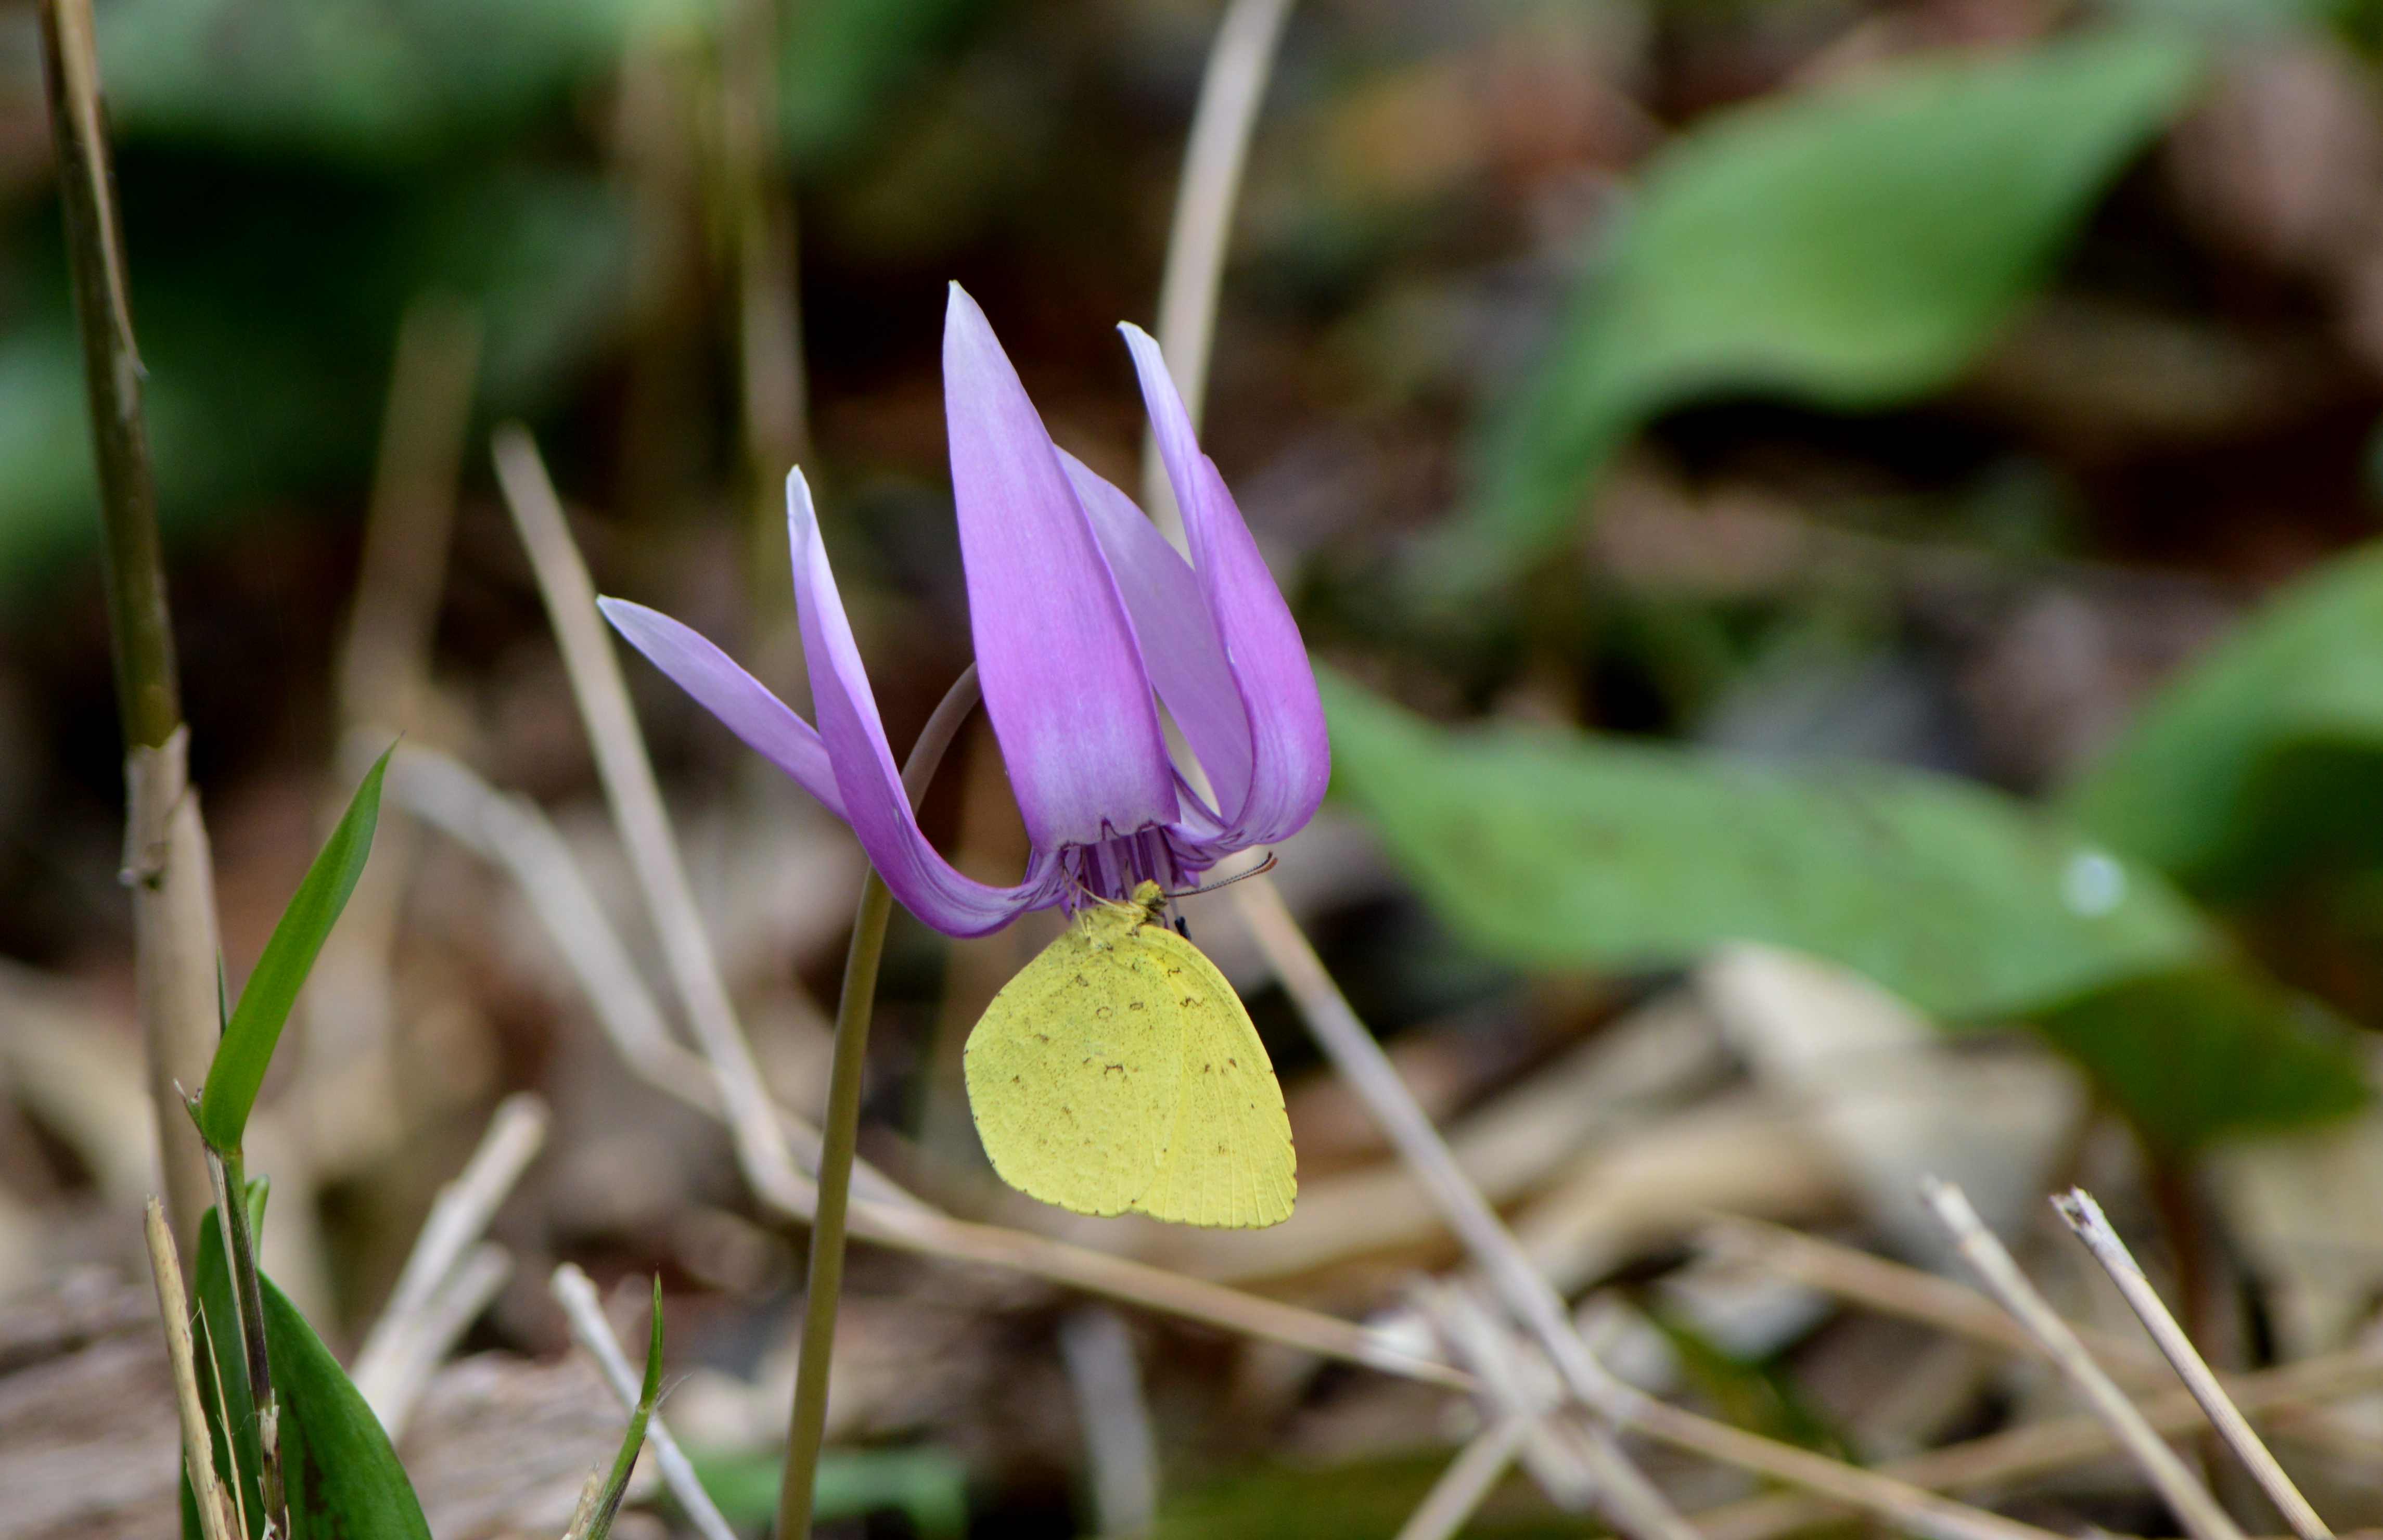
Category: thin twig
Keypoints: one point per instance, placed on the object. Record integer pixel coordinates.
(463, 1206)
(1114, 1416)
(1230, 90)
(1513, 1383)
(1137, 1283)
(174, 1309)
(391, 1365)
(577, 1293)
(1528, 1294)
(165, 863)
(1632, 1502)
(431, 1333)
(410, 517)
(2189, 1500)
(2054, 1443)
(511, 831)
(1468, 1481)
(1896, 1288)
(637, 801)
(2084, 1216)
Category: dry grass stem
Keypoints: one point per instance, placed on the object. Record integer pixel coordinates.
(1120, 1445)
(637, 811)
(1515, 1382)
(1900, 1289)
(576, 1294)
(1896, 1288)
(2176, 1484)
(2056, 1444)
(2085, 1217)
(415, 1355)
(216, 1521)
(1468, 1481)
(512, 834)
(384, 659)
(1635, 1504)
(402, 1347)
(1231, 91)
(1359, 1058)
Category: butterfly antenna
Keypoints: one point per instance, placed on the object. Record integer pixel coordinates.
(1258, 871)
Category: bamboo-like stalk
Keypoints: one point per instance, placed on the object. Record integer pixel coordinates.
(165, 863)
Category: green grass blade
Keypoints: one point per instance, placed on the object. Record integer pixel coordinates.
(608, 1502)
(255, 1025)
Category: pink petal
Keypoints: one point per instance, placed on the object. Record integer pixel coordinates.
(1171, 617)
(742, 703)
(1064, 681)
(871, 787)
(1291, 758)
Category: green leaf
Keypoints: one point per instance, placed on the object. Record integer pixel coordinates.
(595, 1521)
(1852, 248)
(344, 1481)
(843, 61)
(2264, 755)
(249, 1038)
(1567, 850)
(2199, 1056)
(367, 81)
(926, 1484)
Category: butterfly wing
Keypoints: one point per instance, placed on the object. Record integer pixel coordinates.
(1229, 1159)
(1072, 1077)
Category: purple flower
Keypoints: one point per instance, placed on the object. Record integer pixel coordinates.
(1085, 621)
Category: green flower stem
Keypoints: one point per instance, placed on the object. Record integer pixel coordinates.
(229, 1176)
(841, 1133)
(808, 1423)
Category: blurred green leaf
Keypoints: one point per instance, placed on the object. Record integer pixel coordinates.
(361, 81)
(844, 60)
(267, 356)
(926, 1484)
(1366, 1499)
(1571, 851)
(1852, 248)
(238, 1070)
(344, 1481)
(1567, 850)
(2264, 755)
(2211, 1053)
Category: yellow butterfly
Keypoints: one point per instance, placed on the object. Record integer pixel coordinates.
(1119, 1073)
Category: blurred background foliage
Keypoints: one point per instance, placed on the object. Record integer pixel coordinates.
(1888, 479)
